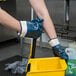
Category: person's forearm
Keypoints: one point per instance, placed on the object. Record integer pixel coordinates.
(9, 21)
(42, 12)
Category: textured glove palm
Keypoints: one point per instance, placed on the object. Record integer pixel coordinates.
(32, 28)
(58, 51)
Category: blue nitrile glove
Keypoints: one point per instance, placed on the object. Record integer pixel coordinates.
(57, 49)
(32, 28)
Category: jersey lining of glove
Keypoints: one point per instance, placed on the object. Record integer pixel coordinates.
(54, 42)
(23, 28)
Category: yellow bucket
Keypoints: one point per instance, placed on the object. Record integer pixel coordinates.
(53, 66)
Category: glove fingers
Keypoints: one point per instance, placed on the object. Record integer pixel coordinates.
(38, 20)
(58, 51)
(40, 25)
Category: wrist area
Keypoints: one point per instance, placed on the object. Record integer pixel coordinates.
(54, 42)
(23, 32)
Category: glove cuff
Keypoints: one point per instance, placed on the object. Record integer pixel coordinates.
(23, 28)
(53, 42)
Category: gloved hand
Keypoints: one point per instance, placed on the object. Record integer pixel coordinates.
(57, 50)
(32, 28)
